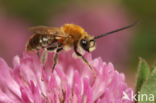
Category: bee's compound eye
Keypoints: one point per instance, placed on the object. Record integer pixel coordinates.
(83, 42)
(84, 45)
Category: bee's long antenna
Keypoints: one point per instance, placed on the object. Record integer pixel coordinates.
(117, 30)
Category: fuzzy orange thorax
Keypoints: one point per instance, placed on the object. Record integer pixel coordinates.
(75, 31)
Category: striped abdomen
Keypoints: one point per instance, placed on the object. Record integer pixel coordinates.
(39, 41)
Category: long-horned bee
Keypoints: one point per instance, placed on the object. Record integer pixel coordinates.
(67, 36)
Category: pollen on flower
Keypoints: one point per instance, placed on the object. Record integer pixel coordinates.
(71, 82)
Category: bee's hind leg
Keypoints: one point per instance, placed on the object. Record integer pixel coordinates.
(55, 59)
(44, 57)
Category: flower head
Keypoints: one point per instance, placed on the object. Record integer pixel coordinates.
(71, 82)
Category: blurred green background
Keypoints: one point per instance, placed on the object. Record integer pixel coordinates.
(141, 39)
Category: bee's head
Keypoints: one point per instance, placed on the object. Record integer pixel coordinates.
(87, 43)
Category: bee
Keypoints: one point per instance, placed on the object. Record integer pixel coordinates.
(63, 38)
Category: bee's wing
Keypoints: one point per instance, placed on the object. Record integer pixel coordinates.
(44, 30)
(48, 30)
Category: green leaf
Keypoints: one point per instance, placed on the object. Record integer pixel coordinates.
(149, 89)
(143, 73)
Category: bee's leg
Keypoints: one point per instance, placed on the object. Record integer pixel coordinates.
(55, 55)
(44, 57)
(85, 60)
(56, 58)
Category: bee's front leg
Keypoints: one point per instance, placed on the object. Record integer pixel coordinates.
(85, 60)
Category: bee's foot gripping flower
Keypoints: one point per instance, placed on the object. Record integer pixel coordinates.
(71, 82)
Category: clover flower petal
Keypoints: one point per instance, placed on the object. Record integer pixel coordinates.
(71, 82)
